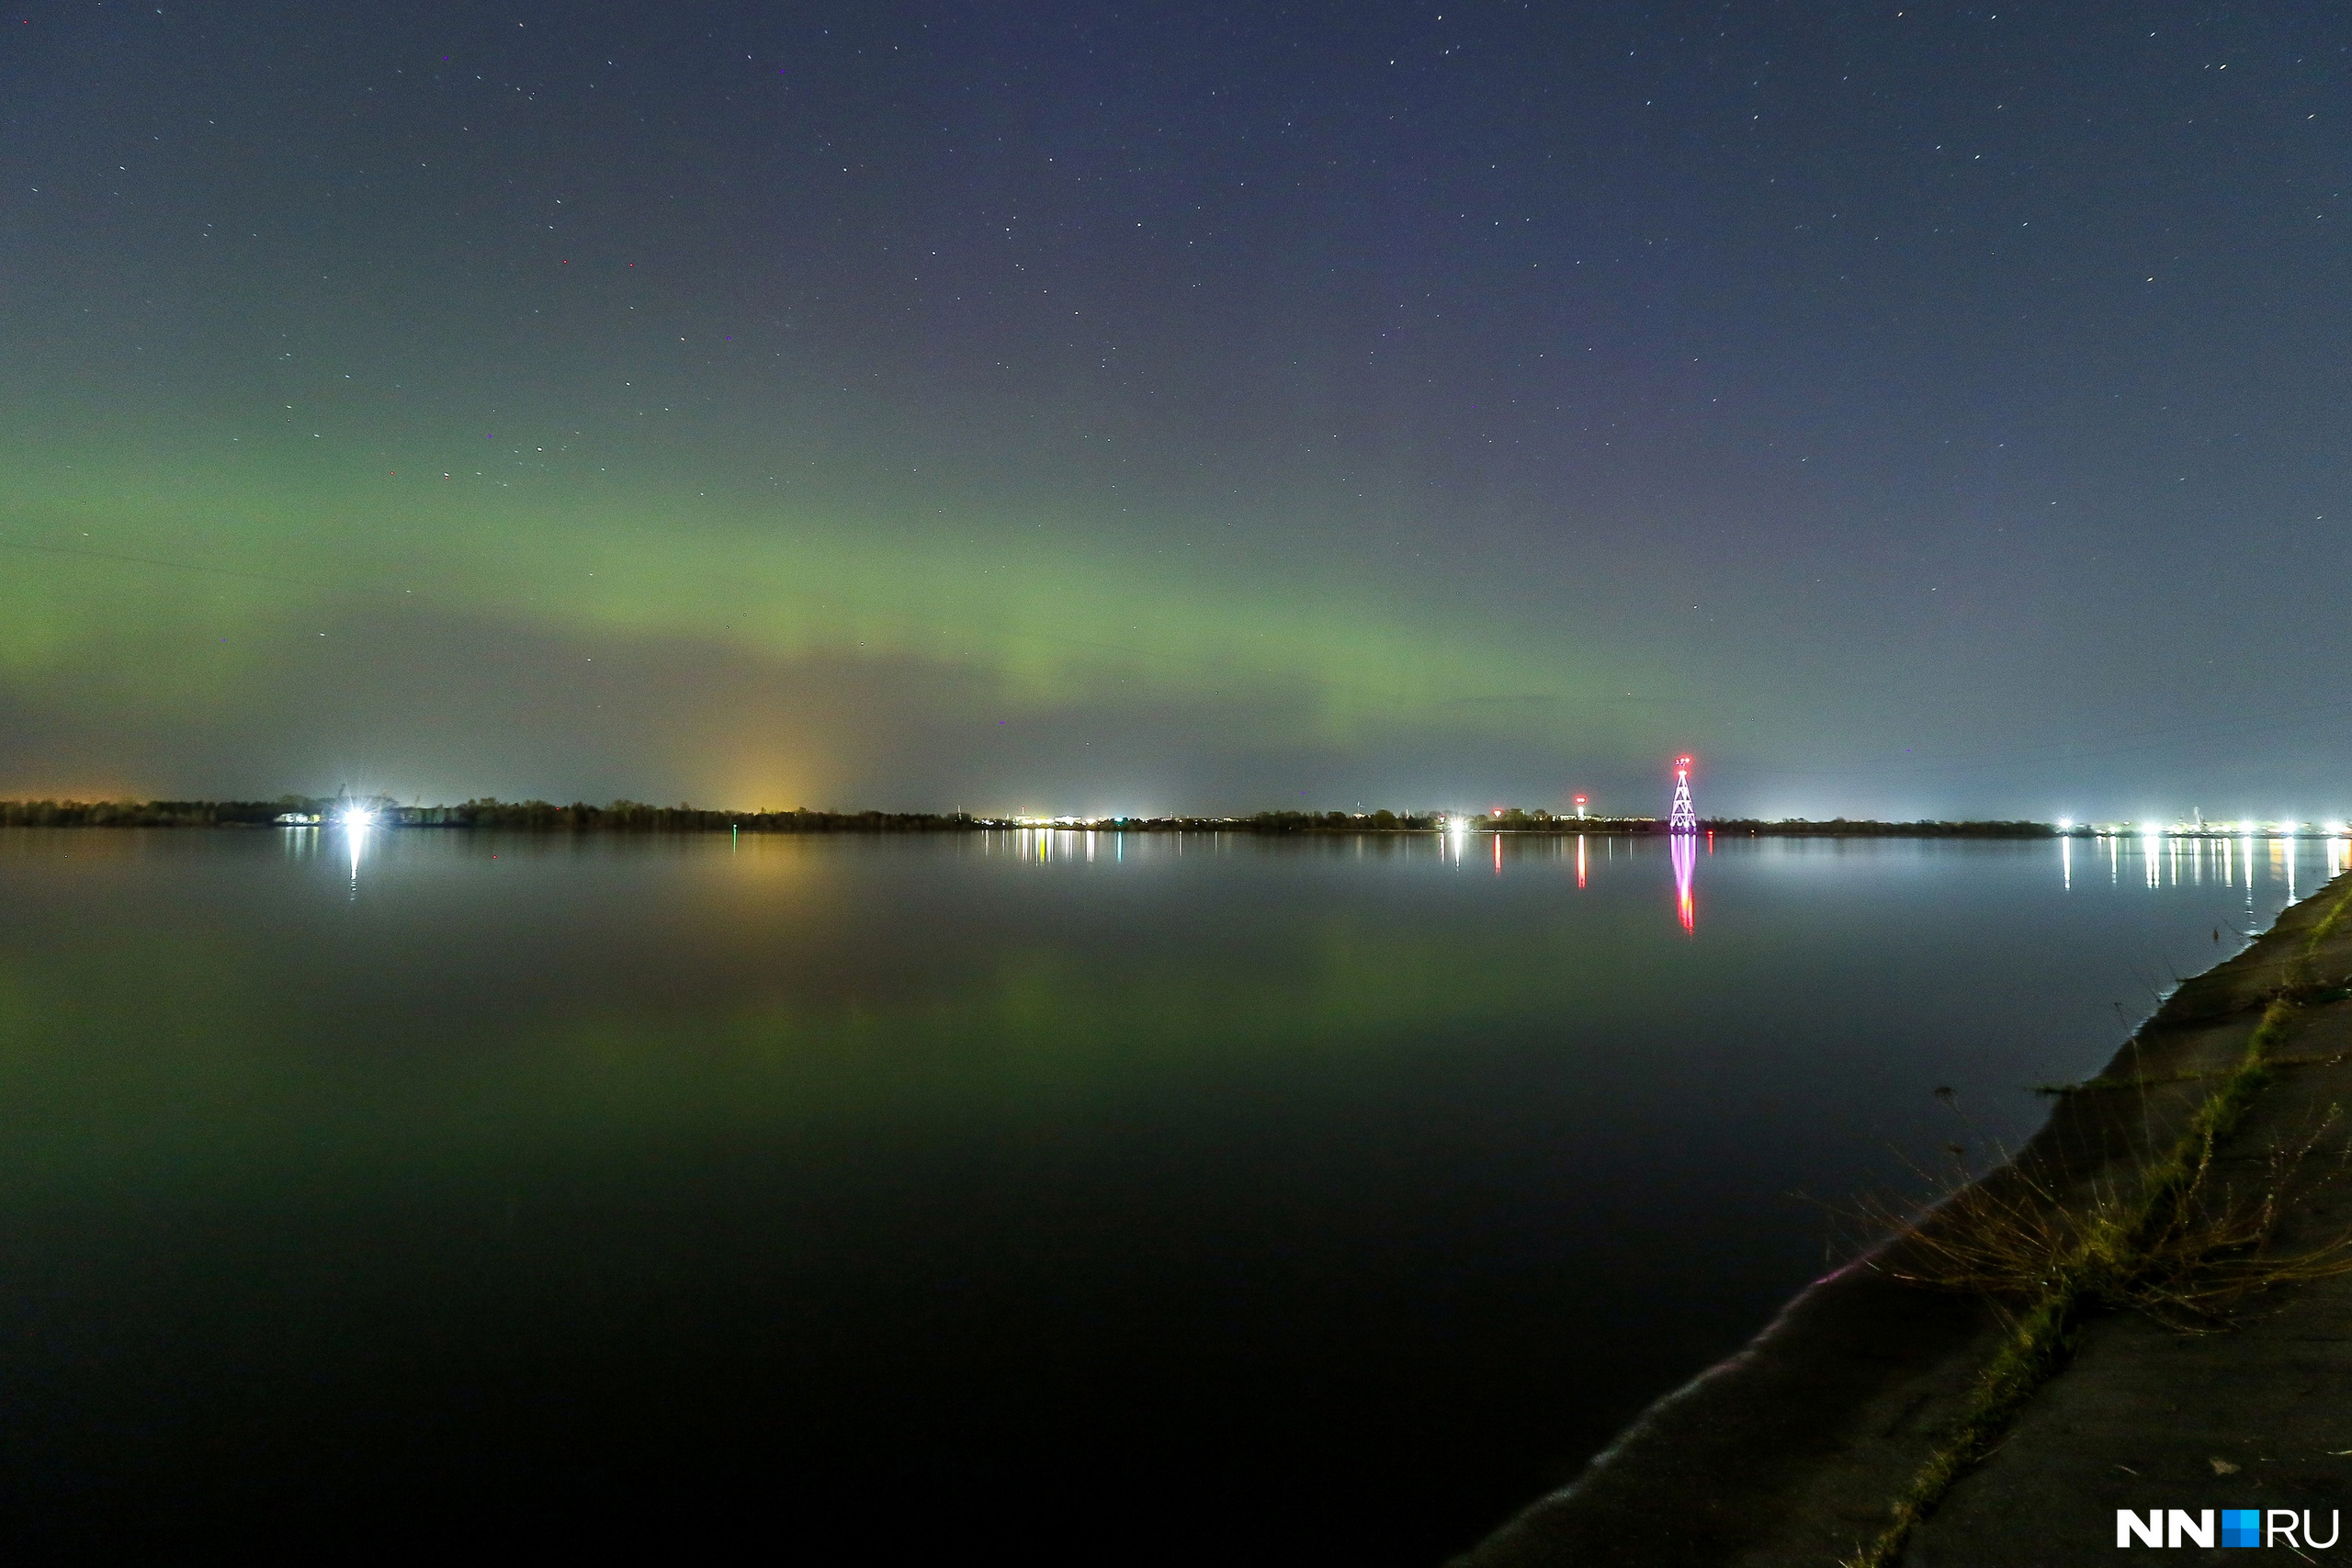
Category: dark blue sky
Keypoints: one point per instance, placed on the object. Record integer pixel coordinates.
(1911, 410)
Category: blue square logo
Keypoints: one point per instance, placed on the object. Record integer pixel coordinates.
(2241, 1527)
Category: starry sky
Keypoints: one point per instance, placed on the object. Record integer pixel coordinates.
(1051, 407)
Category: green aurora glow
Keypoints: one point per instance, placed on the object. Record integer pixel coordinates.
(175, 587)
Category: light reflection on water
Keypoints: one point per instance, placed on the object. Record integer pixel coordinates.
(2164, 859)
(2291, 866)
(1684, 853)
(1252, 1185)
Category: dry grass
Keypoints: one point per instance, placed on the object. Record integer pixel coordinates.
(2187, 1254)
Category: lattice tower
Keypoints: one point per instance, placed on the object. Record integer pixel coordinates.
(1684, 817)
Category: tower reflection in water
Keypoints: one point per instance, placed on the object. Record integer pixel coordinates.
(1686, 861)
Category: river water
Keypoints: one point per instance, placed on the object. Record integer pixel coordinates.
(1083, 1198)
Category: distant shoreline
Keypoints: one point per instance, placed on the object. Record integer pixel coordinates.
(633, 816)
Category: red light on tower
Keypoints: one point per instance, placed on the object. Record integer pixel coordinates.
(1682, 818)
(1580, 808)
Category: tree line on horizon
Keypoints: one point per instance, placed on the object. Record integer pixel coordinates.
(638, 817)
(620, 816)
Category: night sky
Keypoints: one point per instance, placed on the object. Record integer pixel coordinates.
(1910, 410)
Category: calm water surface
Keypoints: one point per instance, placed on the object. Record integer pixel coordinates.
(1104, 1199)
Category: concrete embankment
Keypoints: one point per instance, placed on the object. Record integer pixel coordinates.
(1804, 1447)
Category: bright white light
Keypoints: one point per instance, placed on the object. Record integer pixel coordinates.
(2065, 824)
(2150, 831)
(358, 816)
(2335, 830)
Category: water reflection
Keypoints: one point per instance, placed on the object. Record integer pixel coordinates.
(298, 840)
(355, 833)
(2245, 854)
(2167, 859)
(1685, 849)
(746, 1148)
